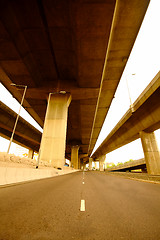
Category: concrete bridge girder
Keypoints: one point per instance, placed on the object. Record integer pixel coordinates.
(139, 122)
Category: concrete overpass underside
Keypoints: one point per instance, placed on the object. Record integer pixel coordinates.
(140, 121)
(77, 48)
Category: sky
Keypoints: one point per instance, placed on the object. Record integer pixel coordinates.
(142, 66)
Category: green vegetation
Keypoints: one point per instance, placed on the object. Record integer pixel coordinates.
(111, 165)
(119, 163)
(131, 160)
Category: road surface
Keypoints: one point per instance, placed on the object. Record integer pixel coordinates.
(81, 206)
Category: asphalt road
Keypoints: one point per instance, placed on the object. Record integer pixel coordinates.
(49, 209)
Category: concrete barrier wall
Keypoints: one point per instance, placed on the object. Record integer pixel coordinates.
(11, 158)
(14, 169)
(9, 175)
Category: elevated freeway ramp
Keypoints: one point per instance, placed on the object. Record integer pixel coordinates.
(140, 121)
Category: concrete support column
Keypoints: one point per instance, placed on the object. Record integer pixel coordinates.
(101, 162)
(79, 163)
(84, 166)
(74, 157)
(69, 163)
(96, 165)
(90, 163)
(30, 153)
(54, 132)
(151, 152)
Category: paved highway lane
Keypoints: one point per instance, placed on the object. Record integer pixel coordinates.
(113, 208)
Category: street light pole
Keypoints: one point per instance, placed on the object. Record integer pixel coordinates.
(131, 105)
(11, 139)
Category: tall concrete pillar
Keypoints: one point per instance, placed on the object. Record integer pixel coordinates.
(30, 153)
(69, 163)
(101, 162)
(151, 152)
(74, 157)
(96, 165)
(84, 166)
(79, 163)
(54, 132)
(90, 163)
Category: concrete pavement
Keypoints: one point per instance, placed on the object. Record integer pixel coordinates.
(145, 177)
(115, 208)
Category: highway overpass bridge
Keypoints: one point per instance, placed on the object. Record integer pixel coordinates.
(71, 55)
(25, 135)
(28, 136)
(139, 164)
(140, 121)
